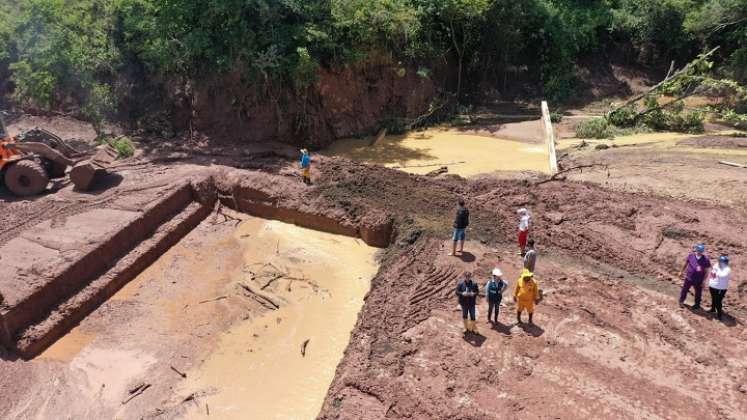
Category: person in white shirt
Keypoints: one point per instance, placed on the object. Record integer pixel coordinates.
(718, 282)
(524, 222)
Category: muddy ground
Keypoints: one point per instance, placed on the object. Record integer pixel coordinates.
(609, 339)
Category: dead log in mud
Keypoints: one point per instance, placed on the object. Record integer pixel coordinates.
(439, 171)
(284, 275)
(557, 176)
(138, 390)
(736, 165)
(262, 296)
(379, 137)
(212, 300)
(180, 373)
(303, 347)
(428, 165)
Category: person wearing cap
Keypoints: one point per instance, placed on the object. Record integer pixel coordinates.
(494, 289)
(524, 222)
(526, 294)
(694, 271)
(718, 283)
(461, 221)
(305, 163)
(467, 291)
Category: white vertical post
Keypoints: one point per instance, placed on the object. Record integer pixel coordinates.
(549, 138)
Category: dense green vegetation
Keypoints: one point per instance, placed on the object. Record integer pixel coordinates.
(89, 53)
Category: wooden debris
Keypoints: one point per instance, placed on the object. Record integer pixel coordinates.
(736, 165)
(212, 300)
(557, 176)
(260, 295)
(138, 390)
(379, 137)
(303, 347)
(428, 165)
(669, 77)
(180, 373)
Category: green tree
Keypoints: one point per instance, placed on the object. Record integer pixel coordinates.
(458, 25)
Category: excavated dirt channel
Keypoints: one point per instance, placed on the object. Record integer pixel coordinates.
(279, 365)
(275, 362)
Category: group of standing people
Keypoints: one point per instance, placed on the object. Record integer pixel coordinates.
(526, 291)
(696, 269)
(697, 266)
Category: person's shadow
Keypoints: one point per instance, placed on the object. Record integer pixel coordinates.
(726, 319)
(467, 256)
(475, 340)
(532, 329)
(501, 328)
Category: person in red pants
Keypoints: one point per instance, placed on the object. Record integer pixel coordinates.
(524, 225)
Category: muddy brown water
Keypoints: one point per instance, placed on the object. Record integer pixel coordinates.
(464, 154)
(257, 369)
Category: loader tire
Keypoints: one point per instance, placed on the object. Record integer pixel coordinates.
(26, 177)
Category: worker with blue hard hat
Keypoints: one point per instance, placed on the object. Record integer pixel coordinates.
(694, 271)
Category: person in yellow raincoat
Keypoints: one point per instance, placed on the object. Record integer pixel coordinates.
(526, 294)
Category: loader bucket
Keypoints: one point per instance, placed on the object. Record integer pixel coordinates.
(85, 174)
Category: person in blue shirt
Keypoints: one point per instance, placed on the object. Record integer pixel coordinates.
(305, 166)
(494, 292)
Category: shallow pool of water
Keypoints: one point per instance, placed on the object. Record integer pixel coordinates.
(465, 154)
(257, 370)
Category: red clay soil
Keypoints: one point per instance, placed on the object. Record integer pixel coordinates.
(602, 347)
(610, 341)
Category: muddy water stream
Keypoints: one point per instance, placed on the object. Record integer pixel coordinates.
(464, 154)
(257, 370)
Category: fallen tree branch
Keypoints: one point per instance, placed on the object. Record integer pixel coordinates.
(138, 390)
(557, 177)
(303, 347)
(427, 165)
(736, 165)
(180, 373)
(669, 77)
(379, 136)
(212, 300)
(260, 294)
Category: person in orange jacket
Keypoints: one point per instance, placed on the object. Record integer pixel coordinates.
(526, 294)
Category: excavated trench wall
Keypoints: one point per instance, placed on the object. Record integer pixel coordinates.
(72, 293)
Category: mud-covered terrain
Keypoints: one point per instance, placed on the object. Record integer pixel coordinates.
(609, 340)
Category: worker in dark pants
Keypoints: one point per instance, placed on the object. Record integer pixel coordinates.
(694, 272)
(494, 293)
(717, 284)
(467, 291)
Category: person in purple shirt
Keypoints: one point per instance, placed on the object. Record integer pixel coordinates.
(694, 271)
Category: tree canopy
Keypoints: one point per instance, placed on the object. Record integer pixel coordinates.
(76, 51)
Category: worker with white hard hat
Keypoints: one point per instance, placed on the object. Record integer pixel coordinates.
(494, 293)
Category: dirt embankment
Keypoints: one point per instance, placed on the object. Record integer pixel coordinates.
(640, 234)
(341, 103)
(610, 340)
